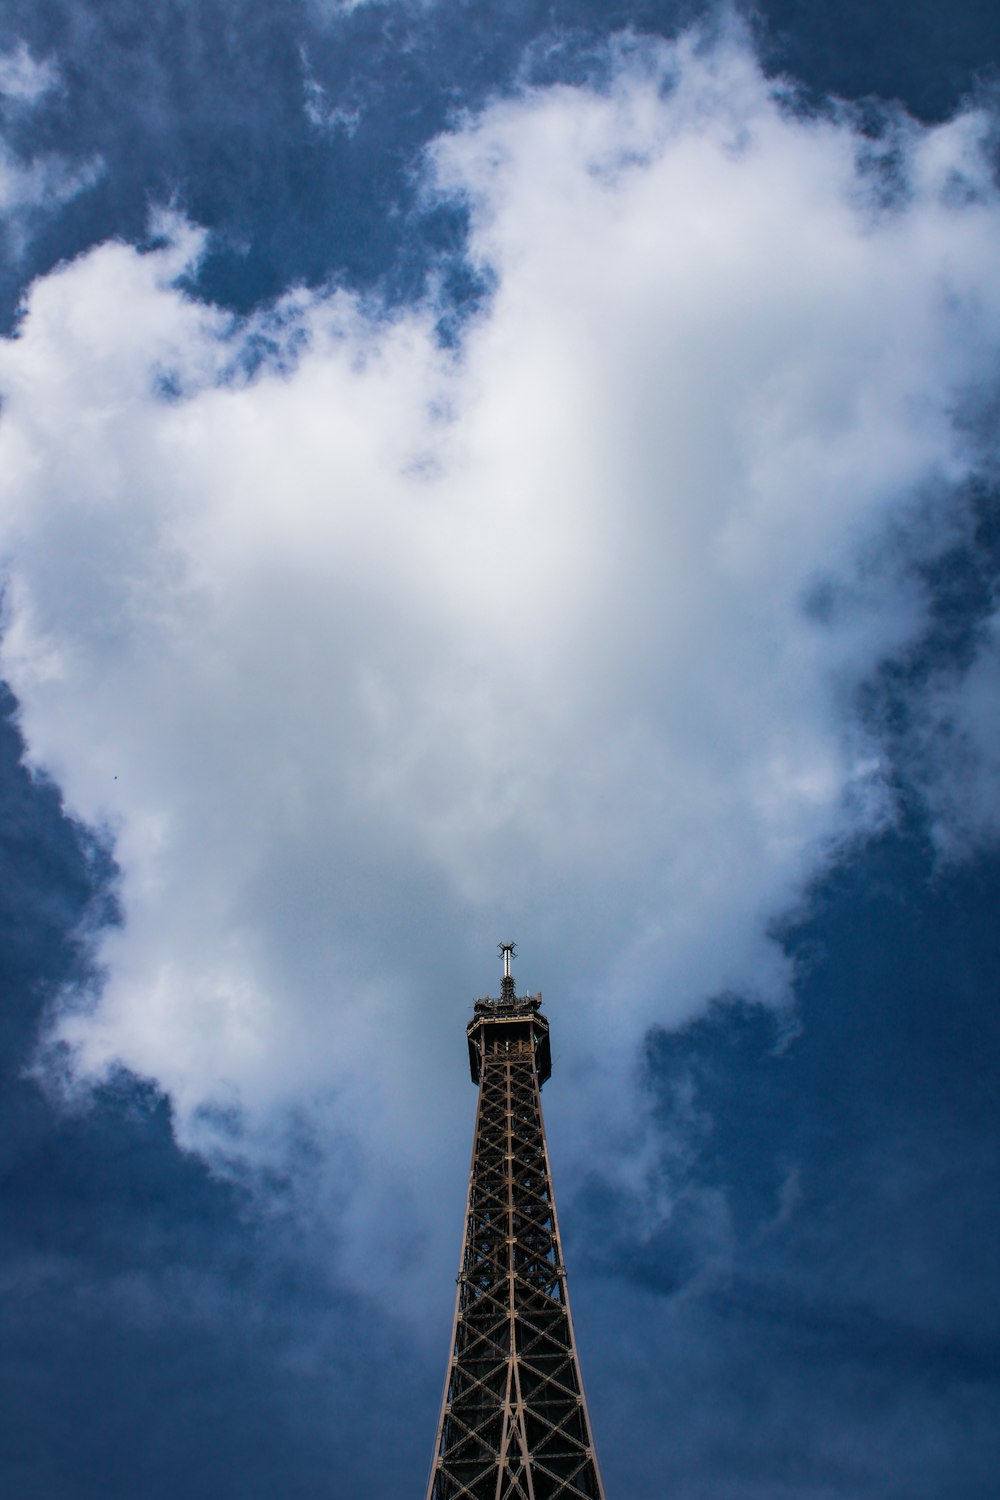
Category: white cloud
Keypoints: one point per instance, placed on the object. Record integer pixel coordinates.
(381, 653)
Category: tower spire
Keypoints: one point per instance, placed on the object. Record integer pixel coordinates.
(507, 952)
(514, 1422)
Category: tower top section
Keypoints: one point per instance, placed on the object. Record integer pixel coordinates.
(512, 1019)
(507, 951)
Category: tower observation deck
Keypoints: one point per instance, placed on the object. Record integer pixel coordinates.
(514, 1422)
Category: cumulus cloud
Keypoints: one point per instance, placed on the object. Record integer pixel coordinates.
(367, 652)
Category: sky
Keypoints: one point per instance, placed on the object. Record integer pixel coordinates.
(472, 472)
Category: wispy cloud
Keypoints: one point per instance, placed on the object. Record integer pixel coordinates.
(25, 78)
(34, 186)
(318, 108)
(30, 189)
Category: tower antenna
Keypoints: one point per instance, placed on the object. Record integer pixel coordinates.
(507, 951)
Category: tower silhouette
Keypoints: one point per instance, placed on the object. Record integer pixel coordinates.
(514, 1422)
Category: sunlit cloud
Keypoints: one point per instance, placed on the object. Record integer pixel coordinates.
(367, 652)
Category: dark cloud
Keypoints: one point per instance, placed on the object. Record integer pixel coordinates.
(156, 1337)
(925, 53)
(45, 886)
(836, 1328)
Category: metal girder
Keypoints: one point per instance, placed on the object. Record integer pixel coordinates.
(514, 1422)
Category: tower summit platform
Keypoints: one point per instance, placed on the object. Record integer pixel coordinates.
(510, 1019)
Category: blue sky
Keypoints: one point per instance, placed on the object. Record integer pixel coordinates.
(473, 471)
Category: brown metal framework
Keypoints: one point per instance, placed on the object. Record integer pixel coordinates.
(514, 1423)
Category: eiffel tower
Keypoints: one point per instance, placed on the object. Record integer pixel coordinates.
(514, 1423)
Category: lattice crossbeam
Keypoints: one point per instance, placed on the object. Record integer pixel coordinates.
(514, 1423)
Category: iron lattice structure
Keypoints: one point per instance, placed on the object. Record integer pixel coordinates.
(514, 1423)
